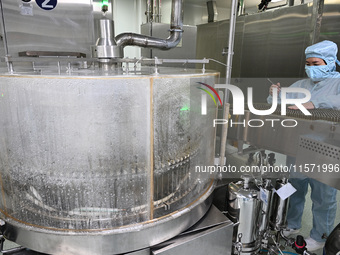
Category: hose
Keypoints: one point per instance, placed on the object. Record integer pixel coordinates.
(286, 252)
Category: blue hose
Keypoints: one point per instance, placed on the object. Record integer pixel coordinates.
(287, 252)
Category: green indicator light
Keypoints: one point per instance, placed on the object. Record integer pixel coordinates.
(185, 108)
(105, 6)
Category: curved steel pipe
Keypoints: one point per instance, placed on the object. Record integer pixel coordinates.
(176, 30)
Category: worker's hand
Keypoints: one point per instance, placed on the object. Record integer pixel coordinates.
(309, 105)
(275, 86)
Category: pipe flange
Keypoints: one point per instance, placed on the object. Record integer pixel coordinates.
(112, 51)
(176, 30)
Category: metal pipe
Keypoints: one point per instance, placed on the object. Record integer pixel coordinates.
(233, 13)
(157, 11)
(316, 20)
(212, 11)
(226, 110)
(176, 31)
(160, 11)
(154, 10)
(4, 37)
(148, 11)
(241, 8)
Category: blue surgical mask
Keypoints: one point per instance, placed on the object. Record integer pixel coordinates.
(317, 73)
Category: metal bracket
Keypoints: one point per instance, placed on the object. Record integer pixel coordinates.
(51, 54)
(2, 241)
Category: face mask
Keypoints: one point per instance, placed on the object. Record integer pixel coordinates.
(317, 73)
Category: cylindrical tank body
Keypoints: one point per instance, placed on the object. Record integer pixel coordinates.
(103, 165)
(244, 208)
(279, 208)
(266, 192)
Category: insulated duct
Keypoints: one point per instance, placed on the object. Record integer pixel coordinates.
(176, 30)
(212, 11)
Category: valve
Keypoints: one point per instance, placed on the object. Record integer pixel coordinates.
(105, 6)
(300, 246)
(238, 245)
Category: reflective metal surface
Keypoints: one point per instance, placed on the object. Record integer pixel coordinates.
(51, 54)
(266, 193)
(68, 27)
(211, 235)
(106, 47)
(114, 241)
(319, 156)
(302, 138)
(244, 207)
(87, 162)
(280, 207)
(277, 137)
(330, 22)
(214, 241)
(269, 44)
(212, 11)
(153, 11)
(277, 38)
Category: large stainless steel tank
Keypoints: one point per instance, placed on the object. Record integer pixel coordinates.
(103, 164)
(244, 208)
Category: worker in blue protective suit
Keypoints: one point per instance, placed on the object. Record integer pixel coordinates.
(324, 85)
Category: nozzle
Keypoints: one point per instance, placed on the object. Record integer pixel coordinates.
(105, 6)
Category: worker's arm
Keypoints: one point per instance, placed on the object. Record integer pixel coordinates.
(329, 96)
(327, 102)
(291, 95)
(309, 105)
